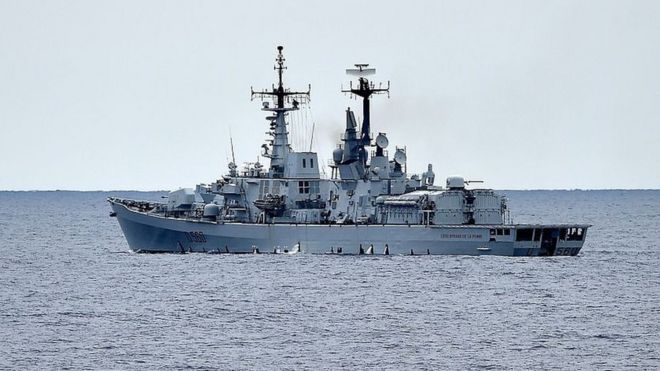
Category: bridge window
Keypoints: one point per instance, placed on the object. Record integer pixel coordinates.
(537, 234)
(311, 162)
(304, 163)
(524, 234)
(303, 187)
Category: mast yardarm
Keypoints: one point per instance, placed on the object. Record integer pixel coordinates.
(280, 94)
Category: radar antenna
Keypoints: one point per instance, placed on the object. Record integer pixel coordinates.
(361, 70)
(364, 90)
(279, 93)
(231, 143)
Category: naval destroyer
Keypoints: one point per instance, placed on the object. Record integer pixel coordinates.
(368, 205)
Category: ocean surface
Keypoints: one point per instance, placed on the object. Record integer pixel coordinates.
(73, 296)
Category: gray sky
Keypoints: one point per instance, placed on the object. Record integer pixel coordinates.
(142, 94)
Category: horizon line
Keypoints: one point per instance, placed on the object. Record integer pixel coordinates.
(503, 189)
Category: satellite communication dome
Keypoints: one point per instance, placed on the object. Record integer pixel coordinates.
(337, 155)
(211, 210)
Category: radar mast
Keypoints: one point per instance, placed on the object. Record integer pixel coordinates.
(351, 157)
(281, 96)
(364, 90)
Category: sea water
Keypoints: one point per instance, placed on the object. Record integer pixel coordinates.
(73, 296)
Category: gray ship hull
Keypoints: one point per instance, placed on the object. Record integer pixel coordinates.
(153, 233)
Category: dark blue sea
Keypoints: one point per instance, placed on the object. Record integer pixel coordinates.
(73, 296)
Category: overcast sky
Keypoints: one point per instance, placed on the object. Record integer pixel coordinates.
(142, 94)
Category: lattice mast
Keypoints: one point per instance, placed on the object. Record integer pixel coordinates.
(279, 147)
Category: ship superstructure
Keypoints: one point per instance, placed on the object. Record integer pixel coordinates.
(369, 205)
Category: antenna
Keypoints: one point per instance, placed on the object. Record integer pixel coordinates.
(280, 94)
(231, 142)
(311, 141)
(361, 70)
(280, 64)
